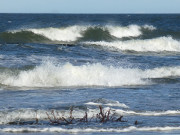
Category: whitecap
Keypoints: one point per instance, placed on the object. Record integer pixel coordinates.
(68, 75)
(160, 44)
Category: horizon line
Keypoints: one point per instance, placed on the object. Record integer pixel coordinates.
(78, 13)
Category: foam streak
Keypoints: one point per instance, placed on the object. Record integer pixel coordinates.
(147, 45)
(79, 130)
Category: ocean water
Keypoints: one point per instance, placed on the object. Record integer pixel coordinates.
(127, 63)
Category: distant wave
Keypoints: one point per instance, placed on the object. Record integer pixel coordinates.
(68, 75)
(68, 34)
(129, 31)
(106, 102)
(73, 33)
(147, 45)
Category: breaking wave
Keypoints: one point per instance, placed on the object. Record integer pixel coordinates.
(129, 31)
(68, 75)
(82, 130)
(105, 102)
(50, 75)
(108, 104)
(60, 34)
(147, 45)
(148, 113)
(73, 33)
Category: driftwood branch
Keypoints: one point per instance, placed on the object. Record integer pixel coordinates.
(102, 117)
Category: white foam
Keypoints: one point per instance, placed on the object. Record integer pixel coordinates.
(71, 33)
(108, 104)
(147, 45)
(129, 31)
(149, 27)
(148, 113)
(81, 130)
(68, 75)
(30, 115)
(50, 75)
(123, 112)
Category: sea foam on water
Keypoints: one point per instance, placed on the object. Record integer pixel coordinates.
(92, 130)
(147, 45)
(97, 74)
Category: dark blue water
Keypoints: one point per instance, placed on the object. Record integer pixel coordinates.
(126, 63)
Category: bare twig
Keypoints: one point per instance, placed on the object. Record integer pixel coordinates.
(102, 116)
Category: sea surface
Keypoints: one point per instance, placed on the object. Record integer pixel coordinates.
(128, 64)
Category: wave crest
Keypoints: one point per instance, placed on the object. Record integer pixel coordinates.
(74, 33)
(147, 45)
(68, 75)
(129, 31)
(68, 34)
(49, 75)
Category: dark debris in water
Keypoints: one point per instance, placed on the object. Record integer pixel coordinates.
(55, 119)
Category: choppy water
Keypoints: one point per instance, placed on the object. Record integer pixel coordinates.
(129, 63)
